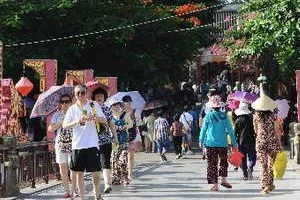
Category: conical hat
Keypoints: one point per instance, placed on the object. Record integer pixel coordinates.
(264, 102)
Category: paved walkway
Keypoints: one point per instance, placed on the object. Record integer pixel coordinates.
(180, 179)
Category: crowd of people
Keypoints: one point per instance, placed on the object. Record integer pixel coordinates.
(92, 136)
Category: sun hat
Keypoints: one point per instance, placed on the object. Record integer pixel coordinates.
(264, 103)
(234, 104)
(215, 101)
(113, 101)
(243, 109)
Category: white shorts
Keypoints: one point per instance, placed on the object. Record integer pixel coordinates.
(62, 158)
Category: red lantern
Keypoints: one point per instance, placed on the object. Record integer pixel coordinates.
(24, 86)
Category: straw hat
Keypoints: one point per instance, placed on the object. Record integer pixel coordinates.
(264, 102)
(215, 101)
(243, 109)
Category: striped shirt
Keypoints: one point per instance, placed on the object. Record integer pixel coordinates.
(161, 128)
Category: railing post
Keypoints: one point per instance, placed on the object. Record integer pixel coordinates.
(11, 165)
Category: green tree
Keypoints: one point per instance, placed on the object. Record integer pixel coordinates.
(147, 55)
(268, 35)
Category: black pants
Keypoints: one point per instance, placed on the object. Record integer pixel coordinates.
(177, 141)
(105, 155)
(85, 160)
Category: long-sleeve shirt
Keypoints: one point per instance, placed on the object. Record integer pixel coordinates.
(214, 130)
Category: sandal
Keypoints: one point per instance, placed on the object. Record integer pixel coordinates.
(265, 191)
(226, 185)
(214, 188)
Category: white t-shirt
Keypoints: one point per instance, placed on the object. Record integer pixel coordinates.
(83, 136)
(187, 120)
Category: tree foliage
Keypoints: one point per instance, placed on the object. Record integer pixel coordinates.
(147, 55)
(270, 30)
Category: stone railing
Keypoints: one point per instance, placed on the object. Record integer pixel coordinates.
(294, 134)
(25, 164)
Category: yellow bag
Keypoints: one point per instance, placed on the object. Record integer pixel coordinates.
(280, 165)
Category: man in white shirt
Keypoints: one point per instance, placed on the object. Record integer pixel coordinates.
(187, 120)
(81, 117)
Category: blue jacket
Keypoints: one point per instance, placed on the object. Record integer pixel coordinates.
(214, 130)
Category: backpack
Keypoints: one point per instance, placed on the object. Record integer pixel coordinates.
(177, 128)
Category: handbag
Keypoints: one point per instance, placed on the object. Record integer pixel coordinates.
(235, 158)
(132, 132)
(280, 164)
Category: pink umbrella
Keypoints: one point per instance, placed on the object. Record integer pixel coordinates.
(244, 97)
(283, 108)
(48, 101)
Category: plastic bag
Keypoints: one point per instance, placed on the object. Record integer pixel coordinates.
(235, 158)
(280, 165)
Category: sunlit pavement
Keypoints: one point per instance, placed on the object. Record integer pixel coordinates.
(180, 179)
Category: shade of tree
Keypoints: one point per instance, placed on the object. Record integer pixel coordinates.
(139, 56)
(268, 36)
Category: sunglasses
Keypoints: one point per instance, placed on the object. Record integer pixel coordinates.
(65, 101)
(80, 93)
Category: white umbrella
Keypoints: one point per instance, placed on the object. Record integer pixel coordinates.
(283, 108)
(138, 102)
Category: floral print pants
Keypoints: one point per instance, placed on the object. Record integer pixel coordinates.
(214, 156)
(267, 157)
(119, 165)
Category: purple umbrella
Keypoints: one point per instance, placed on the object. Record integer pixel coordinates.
(48, 101)
(244, 97)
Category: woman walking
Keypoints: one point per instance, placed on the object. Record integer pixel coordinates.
(134, 138)
(245, 136)
(120, 151)
(63, 145)
(267, 141)
(213, 136)
(106, 135)
(148, 122)
(176, 131)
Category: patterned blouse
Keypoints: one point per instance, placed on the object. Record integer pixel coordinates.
(106, 135)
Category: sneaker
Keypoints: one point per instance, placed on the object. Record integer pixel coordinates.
(189, 152)
(163, 157)
(107, 189)
(178, 156)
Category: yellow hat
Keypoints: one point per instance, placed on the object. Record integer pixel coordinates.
(264, 102)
